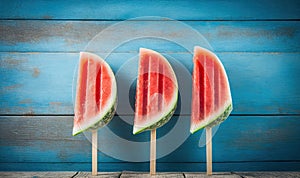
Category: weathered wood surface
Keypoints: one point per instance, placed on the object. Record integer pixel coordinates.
(162, 167)
(181, 10)
(126, 174)
(41, 83)
(47, 139)
(214, 175)
(100, 174)
(245, 175)
(258, 42)
(37, 174)
(73, 36)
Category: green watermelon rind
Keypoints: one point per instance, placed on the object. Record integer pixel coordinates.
(168, 114)
(219, 119)
(109, 115)
(103, 121)
(162, 121)
(112, 109)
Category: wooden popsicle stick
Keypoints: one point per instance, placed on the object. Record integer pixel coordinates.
(208, 151)
(153, 152)
(94, 152)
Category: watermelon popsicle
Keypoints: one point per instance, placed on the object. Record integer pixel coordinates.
(211, 96)
(96, 96)
(156, 96)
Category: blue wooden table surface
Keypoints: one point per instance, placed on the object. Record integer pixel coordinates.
(258, 42)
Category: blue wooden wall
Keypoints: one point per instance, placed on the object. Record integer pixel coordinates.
(258, 42)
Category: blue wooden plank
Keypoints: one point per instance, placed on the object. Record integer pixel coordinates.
(161, 167)
(261, 83)
(181, 10)
(73, 36)
(239, 139)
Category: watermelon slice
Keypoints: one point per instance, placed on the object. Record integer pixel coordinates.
(156, 92)
(211, 97)
(96, 93)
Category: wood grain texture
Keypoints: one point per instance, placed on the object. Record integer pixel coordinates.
(181, 10)
(214, 175)
(127, 174)
(258, 42)
(162, 167)
(261, 83)
(99, 175)
(36, 174)
(73, 36)
(268, 174)
(144, 174)
(43, 140)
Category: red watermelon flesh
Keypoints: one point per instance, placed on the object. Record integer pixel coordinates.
(95, 93)
(211, 96)
(156, 93)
